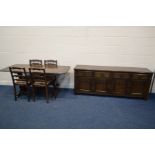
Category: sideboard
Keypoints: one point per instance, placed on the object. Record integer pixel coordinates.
(113, 81)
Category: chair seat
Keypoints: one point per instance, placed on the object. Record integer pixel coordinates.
(21, 82)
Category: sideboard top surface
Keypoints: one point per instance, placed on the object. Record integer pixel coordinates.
(112, 68)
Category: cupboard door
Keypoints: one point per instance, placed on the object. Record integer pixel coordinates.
(120, 83)
(102, 82)
(83, 81)
(138, 88)
(103, 86)
(140, 84)
(84, 84)
(119, 87)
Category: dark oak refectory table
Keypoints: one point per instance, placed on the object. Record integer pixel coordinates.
(113, 81)
(54, 70)
(57, 71)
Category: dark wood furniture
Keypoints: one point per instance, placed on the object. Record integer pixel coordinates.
(53, 78)
(114, 81)
(38, 79)
(20, 78)
(50, 63)
(50, 71)
(35, 63)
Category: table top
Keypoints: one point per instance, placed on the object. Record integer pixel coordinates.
(113, 68)
(48, 70)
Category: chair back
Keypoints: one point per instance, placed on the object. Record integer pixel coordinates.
(38, 75)
(18, 75)
(50, 63)
(35, 63)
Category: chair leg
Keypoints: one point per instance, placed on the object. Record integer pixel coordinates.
(33, 92)
(46, 91)
(56, 89)
(15, 93)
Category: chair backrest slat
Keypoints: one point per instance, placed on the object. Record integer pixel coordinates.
(37, 75)
(50, 63)
(35, 63)
(18, 74)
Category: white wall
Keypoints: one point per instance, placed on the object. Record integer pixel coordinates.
(111, 46)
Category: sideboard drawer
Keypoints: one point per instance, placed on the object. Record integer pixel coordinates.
(99, 75)
(84, 73)
(140, 76)
(121, 75)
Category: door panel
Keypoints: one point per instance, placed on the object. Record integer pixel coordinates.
(138, 88)
(84, 84)
(120, 83)
(102, 82)
(140, 85)
(119, 87)
(103, 86)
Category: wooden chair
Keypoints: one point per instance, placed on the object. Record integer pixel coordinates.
(20, 78)
(35, 63)
(38, 79)
(53, 78)
(50, 63)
